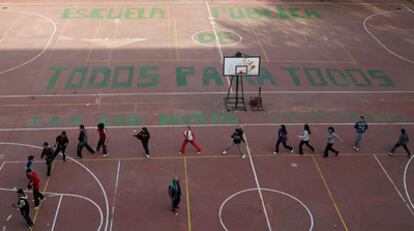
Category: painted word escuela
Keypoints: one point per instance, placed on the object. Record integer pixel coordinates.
(229, 12)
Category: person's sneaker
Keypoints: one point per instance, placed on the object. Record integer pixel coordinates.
(354, 147)
(275, 153)
(180, 153)
(199, 153)
(292, 151)
(104, 155)
(224, 153)
(36, 207)
(337, 153)
(243, 156)
(147, 156)
(390, 153)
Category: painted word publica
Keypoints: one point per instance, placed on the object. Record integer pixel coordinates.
(104, 77)
(277, 12)
(113, 13)
(323, 77)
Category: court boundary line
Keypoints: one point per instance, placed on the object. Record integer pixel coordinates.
(56, 213)
(393, 184)
(115, 194)
(258, 187)
(81, 165)
(121, 94)
(21, 129)
(45, 48)
(405, 182)
(364, 23)
(330, 194)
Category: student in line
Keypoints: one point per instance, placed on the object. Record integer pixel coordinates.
(402, 141)
(144, 137)
(304, 139)
(24, 206)
(282, 138)
(189, 137)
(331, 136)
(103, 139)
(237, 139)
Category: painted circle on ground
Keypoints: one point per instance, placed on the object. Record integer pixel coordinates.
(28, 41)
(210, 38)
(407, 193)
(266, 190)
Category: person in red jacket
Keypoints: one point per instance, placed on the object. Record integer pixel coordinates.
(34, 184)
(103, 139)
(189, 137)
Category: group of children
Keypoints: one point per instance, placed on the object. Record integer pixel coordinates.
(237, 138)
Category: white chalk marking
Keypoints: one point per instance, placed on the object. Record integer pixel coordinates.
(379, 41)
(269, 190)
(405, 182)
(56, 214)
(121, 94)
(85, 168)
(1, 166)
(408, 8)
(393, 184)
(44, 49)
(24, 129)
(259, 189)
(4, 228)
(9, 217)
(115, 193)
(52, 194)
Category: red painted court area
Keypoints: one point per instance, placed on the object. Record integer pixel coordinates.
(159, 64)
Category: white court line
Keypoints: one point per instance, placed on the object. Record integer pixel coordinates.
(379, 41)
(120, 94)
(259, 189)
(269, 190)
(56, 214)
(192, 2)
(52, 194)
(408, 8)
(405, 182)
(44, 49)
(85, 168)
(9, 217)
(4, 228)
(393, 184)
(115, 193)
(22, 129)
(1, 166)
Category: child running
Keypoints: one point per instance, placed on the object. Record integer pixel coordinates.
(103, 139)
(330, 142)
(282, 138)
(237, 139)
(304, 139)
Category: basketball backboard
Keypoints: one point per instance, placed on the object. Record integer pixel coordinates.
(243, 66)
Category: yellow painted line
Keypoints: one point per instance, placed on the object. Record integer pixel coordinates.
(44, 190)
(330, 194)
(195, 156)
(259, 41)
(177, 54)
(338, 42)
(187, 194)
(94, 36)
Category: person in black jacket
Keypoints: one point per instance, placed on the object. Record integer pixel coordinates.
(49, 155)
(23, 205)
(174, 191)
(144, 137)
(402, 141)
(61, 144)
(83, 141)
(237, 139)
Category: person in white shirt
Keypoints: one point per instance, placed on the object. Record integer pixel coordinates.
(189, 137)
(304, 139)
